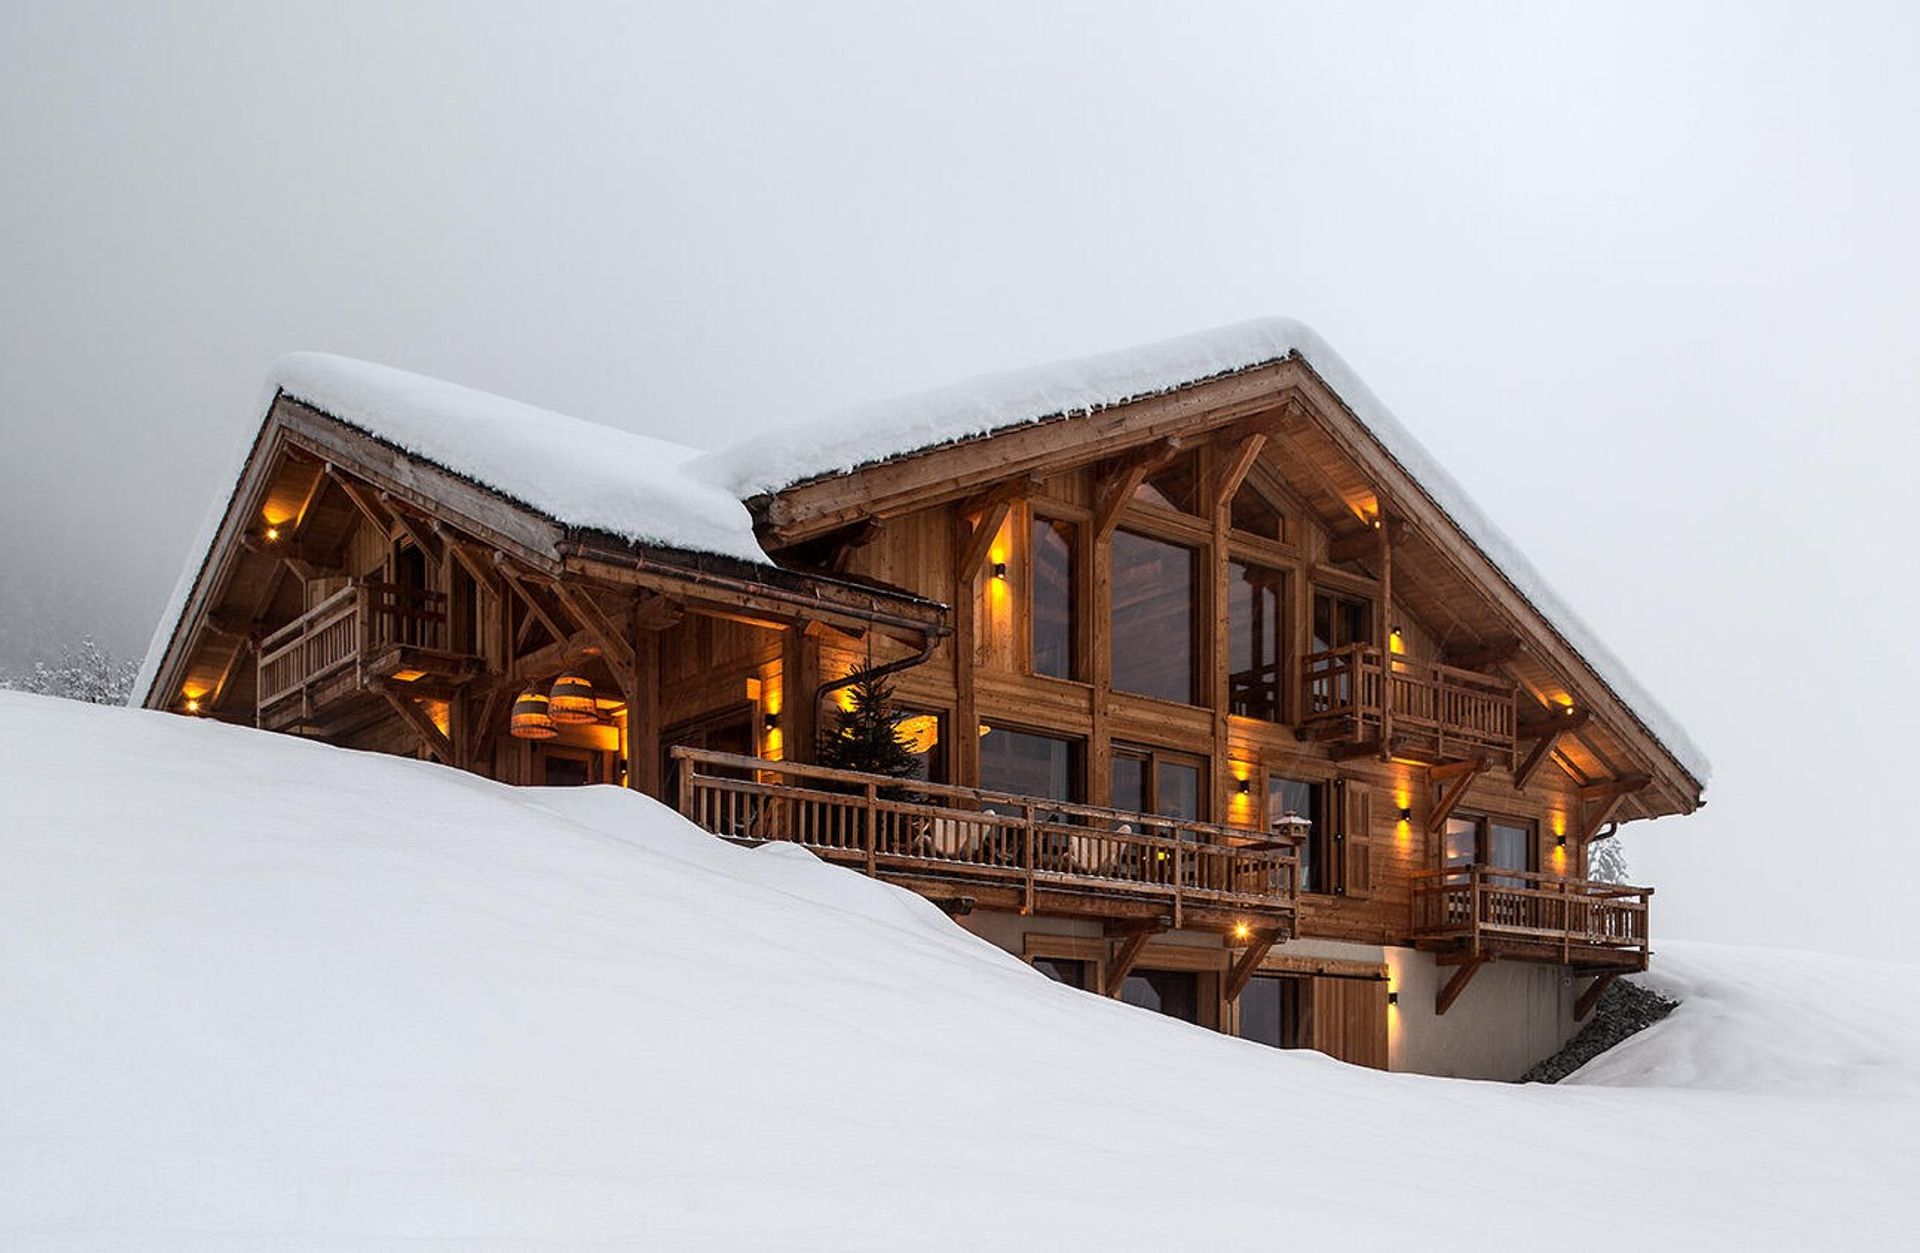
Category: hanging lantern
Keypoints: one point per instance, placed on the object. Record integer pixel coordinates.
(572, 700)
(531, 721)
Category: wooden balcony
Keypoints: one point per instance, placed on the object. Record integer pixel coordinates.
(1479, 912)
(1421, 710)
(343, 647)
(963, 846)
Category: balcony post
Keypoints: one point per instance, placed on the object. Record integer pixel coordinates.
(873, 828)
(1385, 635)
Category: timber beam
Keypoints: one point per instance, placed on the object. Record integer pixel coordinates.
(421, 535)
(1483, 657)
(1365, 545)
(361, 498)
(1239, 464)
(615, 648)
(1463, 975)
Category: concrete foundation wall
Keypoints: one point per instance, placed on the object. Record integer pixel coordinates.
(1512, 1015)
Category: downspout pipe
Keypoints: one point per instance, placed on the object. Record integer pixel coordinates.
(930, 642)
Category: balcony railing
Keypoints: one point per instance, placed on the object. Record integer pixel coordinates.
(1490, 911)
(1037, 855)
(1419, 709)
(341, 633)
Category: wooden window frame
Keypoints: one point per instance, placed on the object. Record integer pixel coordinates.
(1154, 755)
(1207, 569)
(1081, 595)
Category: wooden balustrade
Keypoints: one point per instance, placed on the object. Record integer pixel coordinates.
(341, 632)
(940, 834)
(1428, 710)
(1491, 911)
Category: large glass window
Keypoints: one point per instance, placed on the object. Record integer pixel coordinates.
(1270, 1011)
(1300, 799)
(1253, 644)
(1152, 781)
(1253, 513)
(925, 737)
(1497, 843)
(1152, 634)
(1026, 763)
(1053, 607)
(1175, 993)
(1064, 970)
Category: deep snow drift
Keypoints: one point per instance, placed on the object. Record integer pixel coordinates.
(256, 992)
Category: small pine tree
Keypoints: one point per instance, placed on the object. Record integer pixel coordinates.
(866, 734)
(85, 672)
(1607, 861)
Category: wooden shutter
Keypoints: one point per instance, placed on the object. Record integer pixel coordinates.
(1349, 1019)
(1356, 839)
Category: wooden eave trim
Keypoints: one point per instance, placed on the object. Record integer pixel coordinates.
(929, 477)
(1335, 420)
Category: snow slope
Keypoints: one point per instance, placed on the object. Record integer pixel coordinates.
(263, 993)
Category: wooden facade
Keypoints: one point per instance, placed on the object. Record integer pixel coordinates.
(1199, 674)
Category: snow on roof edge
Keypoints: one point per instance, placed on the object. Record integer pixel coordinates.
(977, 407)
(578, 473)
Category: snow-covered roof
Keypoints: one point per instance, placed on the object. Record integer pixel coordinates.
(996, 402)
(656, 492)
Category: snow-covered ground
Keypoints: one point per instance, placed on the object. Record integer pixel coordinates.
(260, 993)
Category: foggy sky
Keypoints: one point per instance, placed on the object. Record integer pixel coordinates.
(1645, 278)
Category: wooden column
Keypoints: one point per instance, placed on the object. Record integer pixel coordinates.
(643, 714)
(1386, 633)
(800, 678)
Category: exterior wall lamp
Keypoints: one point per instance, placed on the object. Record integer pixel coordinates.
(1406, 813)
(1000, 570)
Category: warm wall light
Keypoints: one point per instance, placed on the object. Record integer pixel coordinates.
(772, 719)
(1393, 998)
(1560, 841)
(193, 704)
(1406, 813)
(273, 532)
(1241, 931)
(1243, 786)
(999, 569)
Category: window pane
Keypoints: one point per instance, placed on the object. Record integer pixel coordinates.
(1291, 796)
(1026, 764)
(1253, 645)
(1153, 610)
(1179, 790)
(1053, 598)
(1063, 970)
(1255, 514)
(1129, 774)
(1460, 844)
(922, 735)
(1270, 1011)
(1509, 846)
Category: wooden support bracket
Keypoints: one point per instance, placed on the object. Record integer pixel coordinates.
(1591, 997)
(1543, 747)
(1457, 775)
(615, 648)
(361, 498)
(1238, 465)
(430, 735)
(1134, 934)
(1118, 487)
(1262, 943)
(1444, 999)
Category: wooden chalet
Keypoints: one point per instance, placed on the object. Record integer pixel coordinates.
(1224, 700)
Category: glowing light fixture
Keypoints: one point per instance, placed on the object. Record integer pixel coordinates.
(1393, 998)
(571, 700)
(999, 569)
(1560, 841)
(1241, 931)
(193, 704)
(1406, 813)
(1243, 786)
(273, 532)
(530, 720)
(772, 719)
